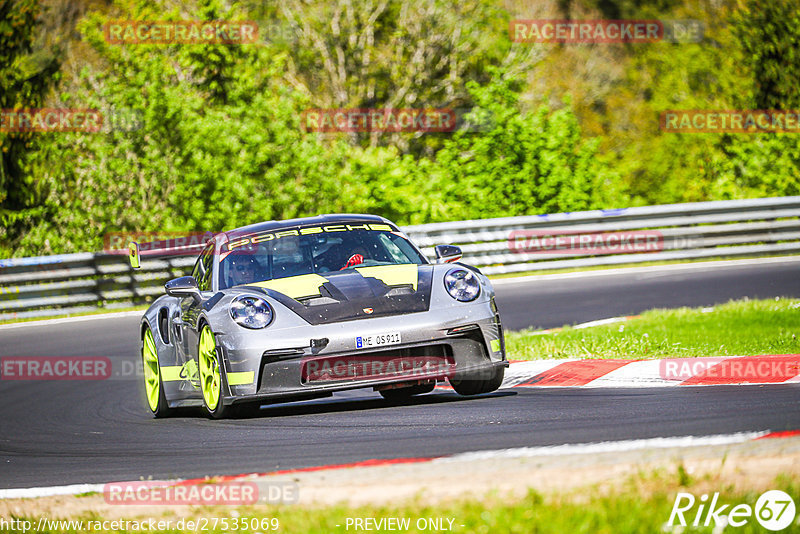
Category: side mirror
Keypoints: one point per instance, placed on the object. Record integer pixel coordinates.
(133, 254)
(447, 253)
(185, 286)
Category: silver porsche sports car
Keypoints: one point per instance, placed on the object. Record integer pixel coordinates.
(298, 309)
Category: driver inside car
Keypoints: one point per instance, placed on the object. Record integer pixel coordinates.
(243, 270)
(357, 256)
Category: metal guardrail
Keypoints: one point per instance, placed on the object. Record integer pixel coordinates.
(730, 228)
(72, 283)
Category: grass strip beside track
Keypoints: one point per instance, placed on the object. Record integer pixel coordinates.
(737, 328)
(642, 504)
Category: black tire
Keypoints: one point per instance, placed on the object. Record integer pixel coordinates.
(220, 412)
(163, 408)
(401, 394)
(479, 386)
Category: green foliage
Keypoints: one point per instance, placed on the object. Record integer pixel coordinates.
(770, 37)
(748, 53)
(769, 32)
(764, 165)
(205, 137)
(213, 141)
(393, 54)
(199, 154)
(659, 167)
(25, 78)
(530, 162)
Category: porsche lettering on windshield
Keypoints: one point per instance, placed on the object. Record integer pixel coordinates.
(269, 236)
(308, 255)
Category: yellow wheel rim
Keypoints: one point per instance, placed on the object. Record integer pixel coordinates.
(210, 382)
(152, 377)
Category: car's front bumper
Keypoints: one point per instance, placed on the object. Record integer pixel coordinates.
(274, 364)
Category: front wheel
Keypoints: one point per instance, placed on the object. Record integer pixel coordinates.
(153, 385)
(211, 375)
(479, 385)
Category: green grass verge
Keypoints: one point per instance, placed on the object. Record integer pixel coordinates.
(642, 505)
(740, 328)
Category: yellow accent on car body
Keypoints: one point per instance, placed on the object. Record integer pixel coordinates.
(304, 285)
(307, 285)
(240, 379)
(392, 275)
(171, 373)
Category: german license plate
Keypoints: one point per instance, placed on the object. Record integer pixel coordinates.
(377, 340)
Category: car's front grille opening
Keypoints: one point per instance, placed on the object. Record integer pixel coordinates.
(408, 362)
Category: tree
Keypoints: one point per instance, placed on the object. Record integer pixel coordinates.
(524, 163)
(215, 143)
(27, 71)
(397, 54)
(769, 33)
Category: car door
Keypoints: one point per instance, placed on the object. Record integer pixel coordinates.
(190, 313)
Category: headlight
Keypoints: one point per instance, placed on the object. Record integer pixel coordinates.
(251, 312)
(462, 285)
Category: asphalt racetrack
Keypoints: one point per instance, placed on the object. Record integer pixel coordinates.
(65, 432)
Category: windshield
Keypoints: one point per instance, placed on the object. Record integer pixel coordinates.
(312, 250)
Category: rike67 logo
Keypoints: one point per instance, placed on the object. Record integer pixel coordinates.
(774, 510)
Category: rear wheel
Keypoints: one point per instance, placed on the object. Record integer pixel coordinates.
(401, 394)
(211, 374)
(480, 385)
(153, 385)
